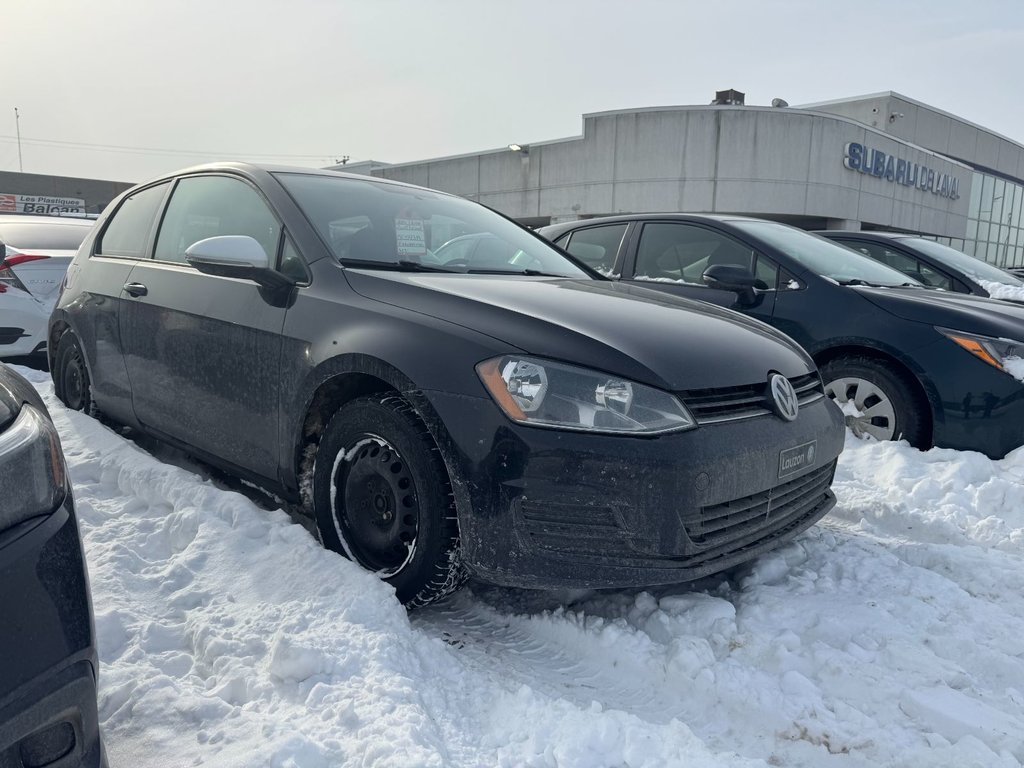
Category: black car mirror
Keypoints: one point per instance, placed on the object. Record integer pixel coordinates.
(238, 256)
(731, 277)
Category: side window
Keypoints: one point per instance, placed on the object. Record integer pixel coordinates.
(684, 251)
(292, 264)
(127, 234)
(208, 206)
(597, 246)
(767, 273)
(932, 277)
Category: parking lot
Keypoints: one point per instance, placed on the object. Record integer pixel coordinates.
(888, 634)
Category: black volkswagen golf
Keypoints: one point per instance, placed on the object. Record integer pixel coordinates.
(930, 366)
(508, 414)
(933, 264)
(48, 659)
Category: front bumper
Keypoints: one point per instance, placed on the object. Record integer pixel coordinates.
(547, 508)
(48, 656)
(976, 406)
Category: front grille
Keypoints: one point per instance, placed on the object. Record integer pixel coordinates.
(723, 529)
(745, 402)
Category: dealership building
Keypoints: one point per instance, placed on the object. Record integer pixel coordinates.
(882, 161)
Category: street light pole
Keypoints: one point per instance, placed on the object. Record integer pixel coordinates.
(17, 128)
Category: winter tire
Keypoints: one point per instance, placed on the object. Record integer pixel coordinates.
(876, 399)
(382, 498)
(71, 381)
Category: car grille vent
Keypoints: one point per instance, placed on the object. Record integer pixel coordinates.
(745, 402)
(573, 528)
(723, 529)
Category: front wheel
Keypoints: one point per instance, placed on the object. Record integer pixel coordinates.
(382, 498)
(71, 381)
(876, 400)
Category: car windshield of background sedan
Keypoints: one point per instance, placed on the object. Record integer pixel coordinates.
(389, 226)
(826, 258)
(970, 266)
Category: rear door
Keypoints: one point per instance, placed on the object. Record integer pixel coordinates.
(672, 257)
(204, 352)
(98, 285)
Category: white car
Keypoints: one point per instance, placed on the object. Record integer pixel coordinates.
(36, 251)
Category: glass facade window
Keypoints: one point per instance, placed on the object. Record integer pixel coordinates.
(994, 223)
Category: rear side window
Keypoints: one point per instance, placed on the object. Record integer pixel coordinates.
(597, 246)
(127, 234)
(210, 206)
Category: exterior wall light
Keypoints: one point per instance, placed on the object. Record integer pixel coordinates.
(525, 150)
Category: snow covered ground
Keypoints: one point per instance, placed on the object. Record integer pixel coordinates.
(890, 634)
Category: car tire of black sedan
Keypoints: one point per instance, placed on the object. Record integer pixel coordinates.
(382, 498)
(884, 405)
(72, 384)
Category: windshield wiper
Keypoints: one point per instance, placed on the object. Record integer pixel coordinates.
(402, 265)
(528, 272)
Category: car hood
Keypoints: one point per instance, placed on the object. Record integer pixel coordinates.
(647, 336)
(958, 311)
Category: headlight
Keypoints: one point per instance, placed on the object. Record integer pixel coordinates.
(32, 475)
(995, 352)
(546, 394)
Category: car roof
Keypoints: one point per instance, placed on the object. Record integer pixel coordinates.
(252, 169)
(21, 218)
(866, 233)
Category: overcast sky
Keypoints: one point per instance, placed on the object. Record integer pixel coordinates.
(307, 81)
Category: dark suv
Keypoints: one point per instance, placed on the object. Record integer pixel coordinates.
(504, 412)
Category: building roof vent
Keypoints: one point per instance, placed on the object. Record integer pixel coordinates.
(730, 97)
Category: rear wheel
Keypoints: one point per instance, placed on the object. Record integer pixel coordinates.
(876, 400)
(382, 498)
(71, 380)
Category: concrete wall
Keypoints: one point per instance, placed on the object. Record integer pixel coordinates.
(752, 160)
(96, 192)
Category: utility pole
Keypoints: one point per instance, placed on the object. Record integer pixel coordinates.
(17, 128)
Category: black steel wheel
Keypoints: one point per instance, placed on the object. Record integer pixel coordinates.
(71, 376)
(382, 498)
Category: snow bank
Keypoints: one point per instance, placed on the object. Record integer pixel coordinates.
(1002, 290)
(887, 635)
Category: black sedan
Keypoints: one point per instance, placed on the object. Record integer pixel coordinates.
(500, 410)
(901, 359)
(933, 264)
(48, 659)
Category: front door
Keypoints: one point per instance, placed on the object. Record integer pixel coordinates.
(672, 257)
(203, 353)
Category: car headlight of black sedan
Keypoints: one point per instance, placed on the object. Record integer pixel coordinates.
(996, 352)
(548, 394)
(32, 471)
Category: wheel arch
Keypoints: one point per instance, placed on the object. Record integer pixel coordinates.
(338, 381)
(923, 395)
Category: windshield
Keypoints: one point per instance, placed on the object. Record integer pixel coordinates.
(373, 225)
(823, 257)
(44, 236)
(970, 266)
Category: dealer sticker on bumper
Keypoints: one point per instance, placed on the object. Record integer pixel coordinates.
(799, 457)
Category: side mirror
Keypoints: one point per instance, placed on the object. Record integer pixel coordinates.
(731, 277)
(238, 256)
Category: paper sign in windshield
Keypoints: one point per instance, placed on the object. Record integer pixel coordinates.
(410, 237)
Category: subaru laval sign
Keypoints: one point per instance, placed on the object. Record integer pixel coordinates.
(891, 168)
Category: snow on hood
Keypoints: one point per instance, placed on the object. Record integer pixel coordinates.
(889, 634)
(1002, 290)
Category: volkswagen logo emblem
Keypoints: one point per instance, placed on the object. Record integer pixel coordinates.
(784, 401)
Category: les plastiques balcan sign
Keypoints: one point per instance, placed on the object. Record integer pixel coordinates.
(44, 204)
(874, 162)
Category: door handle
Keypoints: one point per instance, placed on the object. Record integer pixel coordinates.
(136, 289)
